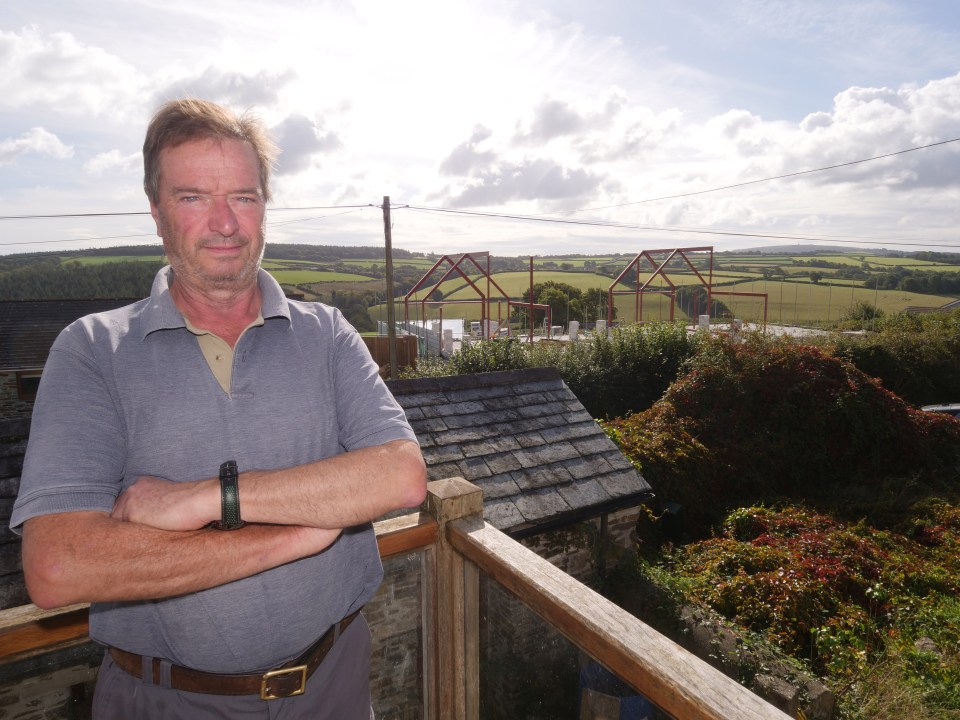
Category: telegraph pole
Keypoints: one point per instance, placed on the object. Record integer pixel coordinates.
(388, 263)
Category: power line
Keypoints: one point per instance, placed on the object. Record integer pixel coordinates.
(105, 237)
(119, 237)
(775, 177)
(147, 212)
(71, 215)
(626, 226)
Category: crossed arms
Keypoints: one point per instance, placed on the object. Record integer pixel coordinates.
(154, 544)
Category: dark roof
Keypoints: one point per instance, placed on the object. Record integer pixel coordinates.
(29, 327)
(524, 438)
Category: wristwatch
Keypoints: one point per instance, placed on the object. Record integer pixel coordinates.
(229, 498)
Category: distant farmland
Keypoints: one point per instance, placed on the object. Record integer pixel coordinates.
(802, 289)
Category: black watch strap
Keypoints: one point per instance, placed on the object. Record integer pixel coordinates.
(229, 498)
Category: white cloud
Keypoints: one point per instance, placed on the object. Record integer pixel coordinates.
(114, 161)
(35, 141)
(466, 157)
(301, 140)
(56, 71)
(236, 89)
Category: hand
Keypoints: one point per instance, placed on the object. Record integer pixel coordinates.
(169, 505)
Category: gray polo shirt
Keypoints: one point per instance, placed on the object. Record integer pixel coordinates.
(127, 393)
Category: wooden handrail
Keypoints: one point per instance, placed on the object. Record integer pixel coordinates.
(404, 534)
(27, 630)
(672, 678)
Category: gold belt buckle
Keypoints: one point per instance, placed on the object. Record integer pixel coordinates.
(267, 676)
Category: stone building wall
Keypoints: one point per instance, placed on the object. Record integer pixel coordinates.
(13, 443)
(528, 669)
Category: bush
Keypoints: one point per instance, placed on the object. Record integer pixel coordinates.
(847, 598)
(489, 356)
(768, 419)
(611, 375)
(915, 356)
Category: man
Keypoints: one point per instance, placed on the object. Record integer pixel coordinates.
(130, 497)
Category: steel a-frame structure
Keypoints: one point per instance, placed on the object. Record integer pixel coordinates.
(485, 299)
(659, 270)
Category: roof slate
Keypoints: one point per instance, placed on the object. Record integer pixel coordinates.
(524, 439)
(29, 327)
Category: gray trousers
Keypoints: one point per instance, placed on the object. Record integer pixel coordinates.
(338, 690)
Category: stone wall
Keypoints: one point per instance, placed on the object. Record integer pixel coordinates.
(13, 443)
(394, 615)
(528, 669)
(11, 406)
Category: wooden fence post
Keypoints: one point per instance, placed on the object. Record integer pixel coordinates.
(453, 610)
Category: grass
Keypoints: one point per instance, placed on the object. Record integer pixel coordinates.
(97, 260)
(304, 277)
(809, 304)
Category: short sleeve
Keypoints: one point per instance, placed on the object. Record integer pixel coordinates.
(366, 410)
(75, 454)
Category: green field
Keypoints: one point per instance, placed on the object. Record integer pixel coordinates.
(413, 262)
(798, 303)
(96, 260)
(303, 277)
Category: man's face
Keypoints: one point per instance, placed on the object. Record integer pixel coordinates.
(210, 212)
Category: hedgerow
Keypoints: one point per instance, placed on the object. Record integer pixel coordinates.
(611, 375)
(914, 356)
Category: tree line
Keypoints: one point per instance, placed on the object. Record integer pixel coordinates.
(48, 279)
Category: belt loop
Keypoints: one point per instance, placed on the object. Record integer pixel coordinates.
(146, 670)
(165, 674)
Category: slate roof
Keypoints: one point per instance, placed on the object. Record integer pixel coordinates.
(29, 327)
(524, 438)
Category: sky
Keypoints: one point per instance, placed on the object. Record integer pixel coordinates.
(523, 127)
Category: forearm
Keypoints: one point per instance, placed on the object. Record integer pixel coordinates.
(91, 557)
(340, 491)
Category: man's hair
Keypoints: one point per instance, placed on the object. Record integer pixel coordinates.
(180, 121)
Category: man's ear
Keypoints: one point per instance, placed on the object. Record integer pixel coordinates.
(155, 213)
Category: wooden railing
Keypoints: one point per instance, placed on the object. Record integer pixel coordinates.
(458, 545)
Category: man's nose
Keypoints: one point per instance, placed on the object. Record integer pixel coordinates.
(223, 219)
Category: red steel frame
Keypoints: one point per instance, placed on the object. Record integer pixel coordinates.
(485, 299)
(660, 271)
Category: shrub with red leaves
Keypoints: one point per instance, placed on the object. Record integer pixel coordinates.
(768, 419)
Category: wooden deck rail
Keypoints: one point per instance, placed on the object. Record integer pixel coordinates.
(672, 678)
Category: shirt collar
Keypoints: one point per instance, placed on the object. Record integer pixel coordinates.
(160, 312)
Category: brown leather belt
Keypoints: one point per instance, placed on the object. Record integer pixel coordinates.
(286, 681)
